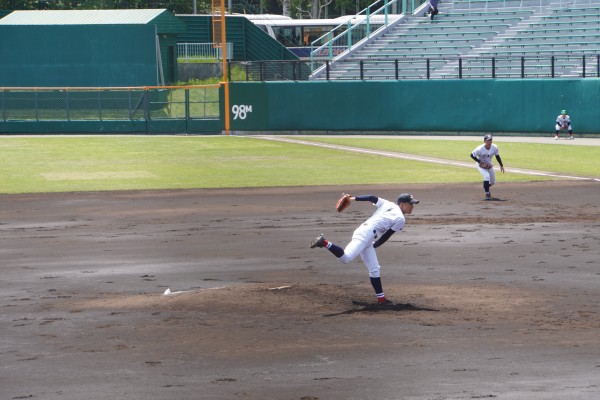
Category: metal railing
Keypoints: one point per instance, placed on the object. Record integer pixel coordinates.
(351, 32)
(202, 51)
(480, 67)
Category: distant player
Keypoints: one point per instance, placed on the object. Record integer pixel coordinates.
(563, 122)
(483, 156)
(433, 8)
(385, 221)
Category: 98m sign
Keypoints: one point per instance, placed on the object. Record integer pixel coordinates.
(241, 111)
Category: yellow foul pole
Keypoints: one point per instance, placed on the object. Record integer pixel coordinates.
(225, 75)
(220, 40)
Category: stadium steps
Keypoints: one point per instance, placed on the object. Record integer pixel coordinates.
(506, 30)
(537, 40)
(446, 38)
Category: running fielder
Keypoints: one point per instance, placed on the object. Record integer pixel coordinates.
(563, 122)
(483, 156)
(385, 221)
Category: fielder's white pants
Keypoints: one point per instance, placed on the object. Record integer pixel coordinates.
(488, 174)
(559, 127)
(362, 244)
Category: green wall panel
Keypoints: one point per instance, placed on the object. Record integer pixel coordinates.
(116, 127)
(517, 106)
(66, 127)
(78, 55)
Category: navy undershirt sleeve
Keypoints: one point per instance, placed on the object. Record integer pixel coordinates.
(373, 199)
(499, 160)
(384, 238)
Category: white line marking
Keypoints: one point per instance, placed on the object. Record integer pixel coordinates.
(412, 157)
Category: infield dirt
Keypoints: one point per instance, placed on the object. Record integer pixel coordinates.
(497, 299)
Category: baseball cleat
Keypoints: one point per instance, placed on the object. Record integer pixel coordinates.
(488, 196)
(385, 302)
(318, 242)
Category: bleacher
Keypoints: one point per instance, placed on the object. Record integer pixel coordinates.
(484, 39)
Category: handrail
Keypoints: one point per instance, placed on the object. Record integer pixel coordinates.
(349, 27)
(405, 7)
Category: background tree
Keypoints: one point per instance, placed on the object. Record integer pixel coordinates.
(292, 8)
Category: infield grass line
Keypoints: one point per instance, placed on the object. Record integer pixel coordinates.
(583, 159)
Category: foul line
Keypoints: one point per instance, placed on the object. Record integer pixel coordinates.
(413, 157)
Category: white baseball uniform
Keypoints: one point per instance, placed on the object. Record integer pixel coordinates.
(387, 216)
(562, 121)
(485, 155)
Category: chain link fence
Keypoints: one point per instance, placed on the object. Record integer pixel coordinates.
(114, 104)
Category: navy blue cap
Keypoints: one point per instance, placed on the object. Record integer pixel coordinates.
(407, 198)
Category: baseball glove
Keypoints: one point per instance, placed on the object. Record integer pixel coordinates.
(343, 202)
(485, 165)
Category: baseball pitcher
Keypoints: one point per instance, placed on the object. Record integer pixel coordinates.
(375, 231)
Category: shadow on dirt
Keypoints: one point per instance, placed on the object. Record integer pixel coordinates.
(363, 307)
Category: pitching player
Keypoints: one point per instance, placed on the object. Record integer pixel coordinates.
(483, 156)
(385, 221)
(563, 122)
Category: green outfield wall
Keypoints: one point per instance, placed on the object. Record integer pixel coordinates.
(521, 106)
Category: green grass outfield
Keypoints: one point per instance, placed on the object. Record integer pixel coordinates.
(576, 160)
(93, 163)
